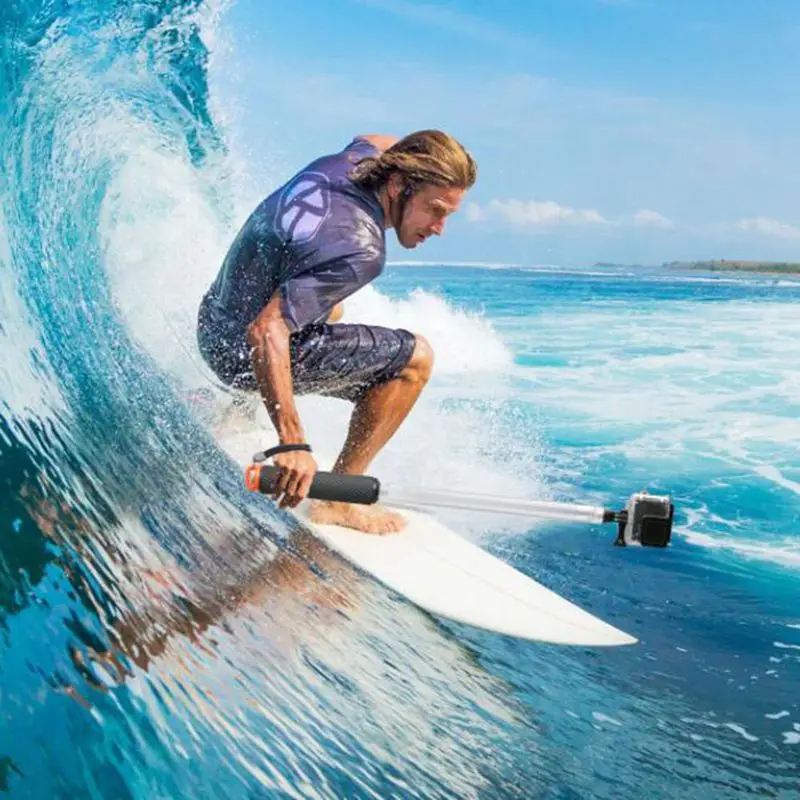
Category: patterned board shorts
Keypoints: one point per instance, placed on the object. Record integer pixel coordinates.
(338, 360)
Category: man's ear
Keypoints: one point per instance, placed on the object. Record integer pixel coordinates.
(394, 186)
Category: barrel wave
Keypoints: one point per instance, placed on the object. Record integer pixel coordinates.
(166, 633)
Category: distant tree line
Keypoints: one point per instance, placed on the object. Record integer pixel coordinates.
(733, 265)
(722, 264)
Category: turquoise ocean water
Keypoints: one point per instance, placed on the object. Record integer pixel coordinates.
(165, 634)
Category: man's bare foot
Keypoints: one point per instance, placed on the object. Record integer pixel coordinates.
(367, 519)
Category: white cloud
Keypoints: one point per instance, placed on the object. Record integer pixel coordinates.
(548, 215)
(475, 213)
(651, 219)
(768, 227)
(534, 213)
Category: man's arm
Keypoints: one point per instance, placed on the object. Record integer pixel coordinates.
(381, 141)
(268, 335)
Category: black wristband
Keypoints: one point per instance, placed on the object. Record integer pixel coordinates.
(281, 448)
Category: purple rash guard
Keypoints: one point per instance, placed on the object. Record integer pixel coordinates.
(316, 239)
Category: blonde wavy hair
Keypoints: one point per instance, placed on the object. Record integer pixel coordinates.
(423, 157)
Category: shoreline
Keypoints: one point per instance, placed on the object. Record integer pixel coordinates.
(725, 265)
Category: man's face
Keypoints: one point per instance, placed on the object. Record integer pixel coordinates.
(426, 213)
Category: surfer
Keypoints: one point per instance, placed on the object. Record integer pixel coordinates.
(267, 321)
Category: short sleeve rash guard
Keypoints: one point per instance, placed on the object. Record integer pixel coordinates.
(317, 239)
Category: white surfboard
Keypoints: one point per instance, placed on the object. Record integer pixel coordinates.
(446, 575)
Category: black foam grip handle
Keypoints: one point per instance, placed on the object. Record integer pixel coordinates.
(361, 489)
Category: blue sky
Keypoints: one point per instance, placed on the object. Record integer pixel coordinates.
(604, 130)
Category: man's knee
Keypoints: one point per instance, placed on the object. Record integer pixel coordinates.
(420, 365)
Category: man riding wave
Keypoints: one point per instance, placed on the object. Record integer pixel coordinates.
(267, 321)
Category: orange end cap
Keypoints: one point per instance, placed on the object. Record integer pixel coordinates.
(251, 476)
